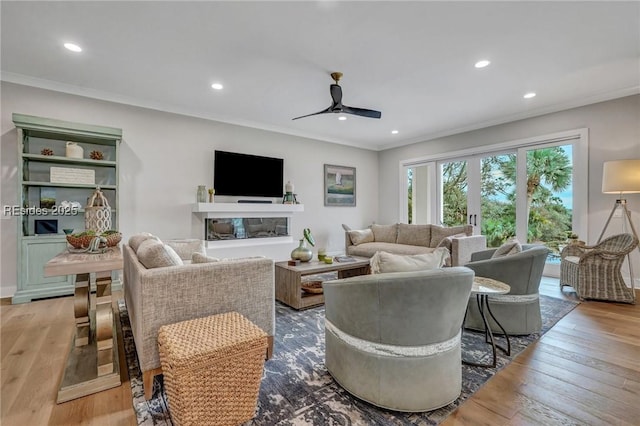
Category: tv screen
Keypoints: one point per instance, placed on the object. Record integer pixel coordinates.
(247, 175)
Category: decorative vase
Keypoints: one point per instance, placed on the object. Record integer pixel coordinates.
(202, 194)
(73, 150)
(302, 252)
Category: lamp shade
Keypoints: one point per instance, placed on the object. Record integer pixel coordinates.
(621, 176)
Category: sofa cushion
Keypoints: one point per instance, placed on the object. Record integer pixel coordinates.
(383, 262)
(369, 249)
(361, 236)
(385, 233)
(155, 254)
(201, 258)
(414, 235)
(510, 247)
(137, 239)
(438, 233)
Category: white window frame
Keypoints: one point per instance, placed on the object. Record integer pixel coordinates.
(580, 153)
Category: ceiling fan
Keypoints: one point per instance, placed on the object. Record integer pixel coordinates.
(337, 107)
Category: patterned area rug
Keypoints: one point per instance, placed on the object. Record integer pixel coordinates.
(296, 388)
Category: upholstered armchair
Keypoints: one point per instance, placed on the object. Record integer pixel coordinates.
(170, 294)
(519, 310)
(594, 271)
(393, 339)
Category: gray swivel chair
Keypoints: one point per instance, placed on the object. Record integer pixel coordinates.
(393, 339)
(519, 310)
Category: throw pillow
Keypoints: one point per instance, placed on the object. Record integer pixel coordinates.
(201, 258)
(186, 247)
(361, 236)
(383, 262)
(155, 254)
(510, 247)
(346, 227)
(385, 233)
(137, 239)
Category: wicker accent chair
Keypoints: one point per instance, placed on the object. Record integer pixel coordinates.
(594, 271)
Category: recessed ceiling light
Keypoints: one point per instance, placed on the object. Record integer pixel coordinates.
(217, 86)
(73, 47)
(342, 118)
(394, 132)
(529, 95)
(483, 63)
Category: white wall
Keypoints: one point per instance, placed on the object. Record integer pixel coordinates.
(614, 134)
(164, 157)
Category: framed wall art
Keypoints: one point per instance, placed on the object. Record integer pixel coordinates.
(339, 186)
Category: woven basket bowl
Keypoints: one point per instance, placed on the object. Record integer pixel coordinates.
(83, 241)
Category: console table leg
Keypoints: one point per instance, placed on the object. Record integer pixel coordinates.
(104, 324)
(81, 301)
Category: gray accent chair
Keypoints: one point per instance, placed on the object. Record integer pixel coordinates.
(393, 339)
(519, 310)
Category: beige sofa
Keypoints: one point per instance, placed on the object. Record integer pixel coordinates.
(402, 238)
(169, 294)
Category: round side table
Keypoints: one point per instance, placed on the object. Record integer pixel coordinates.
(483, 288)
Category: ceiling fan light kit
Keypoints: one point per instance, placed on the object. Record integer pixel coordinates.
(337, 107)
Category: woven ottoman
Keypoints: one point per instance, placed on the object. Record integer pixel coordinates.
(212, 368)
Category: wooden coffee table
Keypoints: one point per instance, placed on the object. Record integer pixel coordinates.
(289, 279)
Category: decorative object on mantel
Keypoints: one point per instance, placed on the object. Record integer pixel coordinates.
(73, 150)
(211, 193)
(302, 252)
(201, 195)
(289, 196)
(96, 155)
(46, 151)
(97, 213)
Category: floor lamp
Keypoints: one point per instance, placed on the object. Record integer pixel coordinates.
(621, 177)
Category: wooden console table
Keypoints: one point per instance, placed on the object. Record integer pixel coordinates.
(92, 364)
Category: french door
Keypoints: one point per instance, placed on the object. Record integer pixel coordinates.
(532, 192)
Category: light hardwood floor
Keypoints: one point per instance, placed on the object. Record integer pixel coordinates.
(586, 370)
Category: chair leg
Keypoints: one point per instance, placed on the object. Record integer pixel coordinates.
(147, 381)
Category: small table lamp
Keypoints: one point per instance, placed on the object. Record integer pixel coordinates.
(621, 177)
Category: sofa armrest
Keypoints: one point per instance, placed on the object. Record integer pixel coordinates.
(463, 247)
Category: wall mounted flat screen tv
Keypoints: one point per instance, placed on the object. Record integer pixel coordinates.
(247, 175)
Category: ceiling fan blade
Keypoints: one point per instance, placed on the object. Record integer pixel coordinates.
(325, 111)
(361, 112)
(336, 94)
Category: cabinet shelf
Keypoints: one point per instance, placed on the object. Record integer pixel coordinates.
(66, 160)
(67, 185)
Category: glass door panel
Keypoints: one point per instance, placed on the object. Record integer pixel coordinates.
(498, 198)
(454, 193)
(549, 190)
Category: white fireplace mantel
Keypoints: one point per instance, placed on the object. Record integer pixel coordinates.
(231, 210)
